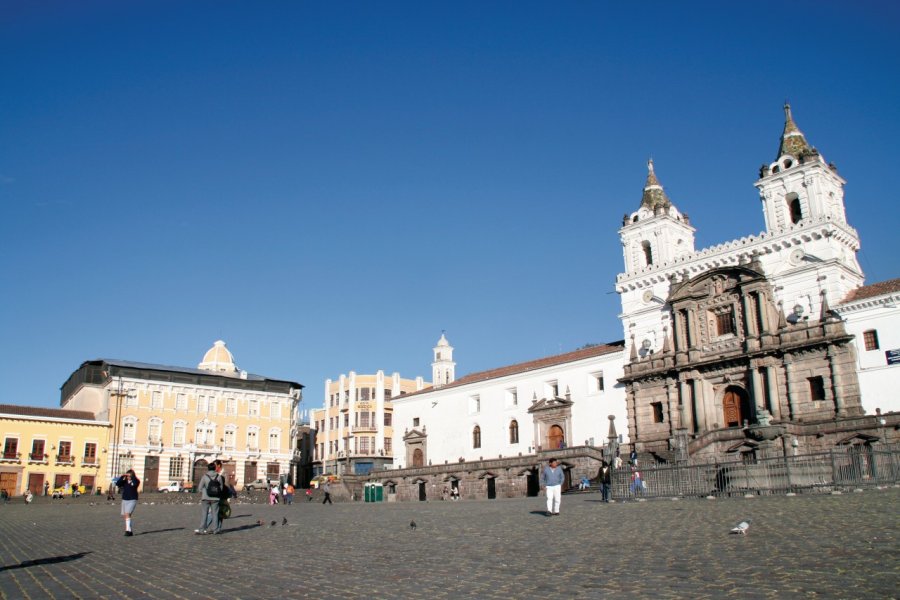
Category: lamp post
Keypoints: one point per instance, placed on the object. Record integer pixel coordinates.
(117, 426)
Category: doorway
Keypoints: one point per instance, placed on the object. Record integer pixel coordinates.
(422, 496)
(151, 474)
(735, 406)
(491, 488)
(533, 483)
(555, 438)
(8, 482)
(249, 471)
(36, 483)
(199, 471)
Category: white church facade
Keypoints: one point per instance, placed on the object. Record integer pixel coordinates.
(768, 341)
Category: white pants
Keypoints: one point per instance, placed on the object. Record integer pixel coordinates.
(554, 494)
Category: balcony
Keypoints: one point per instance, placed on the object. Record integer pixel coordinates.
(206, 446)
(154, 442)
(90, 461)
(39, 457)
(65, 459)
(11, 456)
(365, 429)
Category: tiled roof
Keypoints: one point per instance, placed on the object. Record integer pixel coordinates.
(532, 365)
(875, 289)
(37, 411)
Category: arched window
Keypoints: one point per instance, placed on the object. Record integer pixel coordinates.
(648, 252)
(514, 432)
(476, 437)
(794, 207)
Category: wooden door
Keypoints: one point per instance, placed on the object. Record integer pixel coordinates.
(8, 482)
(555, 438)
(249, 471)
(229, 470)
(150, 483)
(88, 482)
(735, 407)
(418, 458)
(36, 483)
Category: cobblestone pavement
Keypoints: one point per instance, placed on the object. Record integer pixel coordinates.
(842, 546)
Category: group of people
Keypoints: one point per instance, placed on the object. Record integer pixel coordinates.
(281, 493)
(552, 478)
(451, 493)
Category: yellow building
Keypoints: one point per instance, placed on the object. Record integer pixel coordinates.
(50, 446)
(168, 423)
(354, 428)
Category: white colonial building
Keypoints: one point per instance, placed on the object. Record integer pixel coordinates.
(872, 316)
(549, 403)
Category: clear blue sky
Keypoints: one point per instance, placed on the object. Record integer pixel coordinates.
(327, 186)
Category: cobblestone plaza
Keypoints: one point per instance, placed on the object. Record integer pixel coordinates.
(836, 546)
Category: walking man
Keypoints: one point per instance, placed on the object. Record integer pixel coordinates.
(327, 490)
(551, 480)
(212, 486)
(605, 480)
(129, 484)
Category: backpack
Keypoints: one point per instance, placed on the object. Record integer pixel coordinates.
(214, 488)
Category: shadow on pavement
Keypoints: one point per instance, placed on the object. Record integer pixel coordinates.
(51, 560)
(161, 530)
(241, 528)
(540, 513)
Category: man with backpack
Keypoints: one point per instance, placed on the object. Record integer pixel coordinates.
(213, 488)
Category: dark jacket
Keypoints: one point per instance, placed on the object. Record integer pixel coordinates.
(129, 488)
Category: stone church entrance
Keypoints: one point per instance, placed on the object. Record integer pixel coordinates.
(735, 406)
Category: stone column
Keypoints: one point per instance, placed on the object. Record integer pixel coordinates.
(690, 326)
(774, 400)
(836, 382)
(749, 317)
(631, 408)
(789, 389)
(761, 305)
(671, 400)
(686, 399)
(759, 396)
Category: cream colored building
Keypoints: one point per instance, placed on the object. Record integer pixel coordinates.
(52, 446)
(354, 429)
(168, 423)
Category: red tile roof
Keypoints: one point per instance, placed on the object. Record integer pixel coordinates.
(875, 289)
(55, 413)
(530, 365)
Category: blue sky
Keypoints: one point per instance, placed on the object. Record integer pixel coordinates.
(328, 186)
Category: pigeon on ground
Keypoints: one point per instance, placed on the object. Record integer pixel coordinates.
(272, 524)
(742, 527)
(412, 525)
(284, 521)
(259, 523)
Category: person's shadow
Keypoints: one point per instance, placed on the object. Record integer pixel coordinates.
(241, 528)
(50, 560)
(161, 530)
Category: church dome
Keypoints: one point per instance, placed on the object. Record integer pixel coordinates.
(218, 359)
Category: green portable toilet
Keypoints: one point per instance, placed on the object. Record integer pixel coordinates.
(377, 492)
(367, 492)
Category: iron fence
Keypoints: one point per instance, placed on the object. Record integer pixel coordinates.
(825, 471)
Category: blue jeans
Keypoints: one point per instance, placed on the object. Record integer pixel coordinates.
(604, 491)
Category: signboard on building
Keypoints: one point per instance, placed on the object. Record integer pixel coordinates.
(893, 356)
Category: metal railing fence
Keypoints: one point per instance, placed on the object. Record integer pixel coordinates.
(824, 471)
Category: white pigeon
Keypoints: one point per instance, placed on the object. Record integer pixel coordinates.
(742, 527)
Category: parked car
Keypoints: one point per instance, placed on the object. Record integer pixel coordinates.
(259, 484)
(174, 486)
(60, 492)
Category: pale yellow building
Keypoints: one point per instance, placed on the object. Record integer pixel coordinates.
(354, 429)
(168, 423)
(50, 446)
